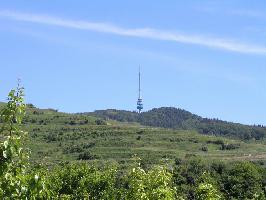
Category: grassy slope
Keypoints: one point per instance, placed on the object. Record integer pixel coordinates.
(56, 137)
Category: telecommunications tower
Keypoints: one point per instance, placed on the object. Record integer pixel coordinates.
(139, 102)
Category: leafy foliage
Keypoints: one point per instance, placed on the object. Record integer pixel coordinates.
(15, 180)
(81, 181)
(243, 181)
(154, 184)
(207, 188)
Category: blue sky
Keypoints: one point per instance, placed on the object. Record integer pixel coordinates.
(207, 57)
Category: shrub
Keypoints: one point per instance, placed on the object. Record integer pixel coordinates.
(100, 122)
(218, 142)
(229, 146)
(242, 181)
(204, 148)
(81, 181)
(207, 188)
(87, 156)
(155, 184)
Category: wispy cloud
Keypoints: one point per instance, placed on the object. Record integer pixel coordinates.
(149, 33)
(248, 13)
(217, 8)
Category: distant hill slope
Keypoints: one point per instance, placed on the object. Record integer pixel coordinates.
(169, 117)
(55, 137)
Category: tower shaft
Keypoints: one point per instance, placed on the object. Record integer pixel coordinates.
(139, 85)
(139, 102)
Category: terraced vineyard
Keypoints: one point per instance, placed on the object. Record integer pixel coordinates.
(56, 137)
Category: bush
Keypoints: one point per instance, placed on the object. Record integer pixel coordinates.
(100, 122)
(81, 181)
(218, 142)
(242, 181)
(204, 148)
(229, 146)
(87, 156)
(154, 184)
(207, 188)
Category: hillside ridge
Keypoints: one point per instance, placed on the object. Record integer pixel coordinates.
(173, 118)
(176, 118)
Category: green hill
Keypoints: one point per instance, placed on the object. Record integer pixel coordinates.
(112, 135)
(68, 142)
(169, 117)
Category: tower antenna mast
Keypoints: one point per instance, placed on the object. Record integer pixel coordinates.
(139, 102)
(139, 83)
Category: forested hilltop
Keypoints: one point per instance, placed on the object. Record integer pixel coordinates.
(174, 118)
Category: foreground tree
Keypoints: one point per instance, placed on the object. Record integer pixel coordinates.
(16, 181)
(157, 183)
(207, 188)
